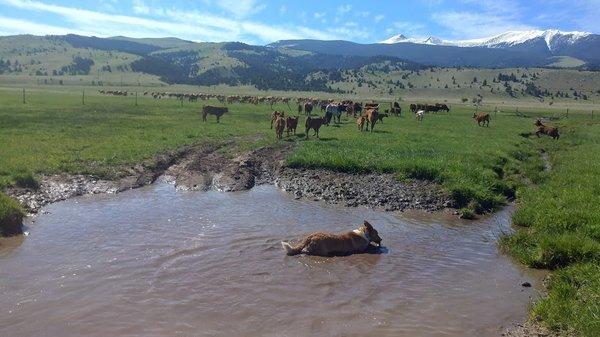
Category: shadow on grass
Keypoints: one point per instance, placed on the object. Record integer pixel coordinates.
(322, 139)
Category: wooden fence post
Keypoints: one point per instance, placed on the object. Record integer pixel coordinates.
(23, 95)
(83, 97)
(136, 98)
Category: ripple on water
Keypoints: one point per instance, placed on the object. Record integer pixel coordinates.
(161, 262)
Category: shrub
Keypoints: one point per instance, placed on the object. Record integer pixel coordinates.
(11, 216)
(26, 180)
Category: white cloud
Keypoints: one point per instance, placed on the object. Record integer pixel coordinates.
(9, 26)
(191, 25)
(241, 8)
(488, 17)
(343, 9)
(139, 7)
(467, 25)
(379, 17)
(410, 29)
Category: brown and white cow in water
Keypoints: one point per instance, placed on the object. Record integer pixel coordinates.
(217, 111)
(542, 129)
(482, 118)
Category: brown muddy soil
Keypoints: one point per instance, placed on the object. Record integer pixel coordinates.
(208, 167)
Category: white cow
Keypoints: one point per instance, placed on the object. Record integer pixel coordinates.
(420, 114)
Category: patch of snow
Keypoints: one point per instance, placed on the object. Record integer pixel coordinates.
(511, 38)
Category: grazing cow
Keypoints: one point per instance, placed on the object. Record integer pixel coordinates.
(315, 124)
(218, 111)
(360, 123)
(274, 116)
(291, 124)
(279, 127)
(413, 108)
(420, 114)
(482, 118)
(443, 107)
(371, 115)
(551, 131)
(308, 108)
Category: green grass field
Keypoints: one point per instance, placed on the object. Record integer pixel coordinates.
(480, 167)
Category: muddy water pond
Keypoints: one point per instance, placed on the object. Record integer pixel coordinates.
(160, 262)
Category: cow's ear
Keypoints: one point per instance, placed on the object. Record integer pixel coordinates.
(367, 224)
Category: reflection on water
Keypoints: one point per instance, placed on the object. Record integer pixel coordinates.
(160, 262)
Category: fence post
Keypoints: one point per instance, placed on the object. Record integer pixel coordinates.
(23, 95)
(136, 98)
(567, 112)
(83, 97)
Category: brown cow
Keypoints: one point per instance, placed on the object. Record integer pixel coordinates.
(551, 131)
(279, 127)
(291, 124)
(360, 123)
(308, 108)
(275, 115)
(371, 115)
(315, 124)
(482, 118)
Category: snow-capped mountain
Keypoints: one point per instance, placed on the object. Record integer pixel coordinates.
(511, 49)
(400, 38)
(552, 38)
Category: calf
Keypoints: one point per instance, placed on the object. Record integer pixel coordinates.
(279, 127)
(360, 122)
(482, 118)
(420, 114)
(381, 116)
(274, 116)
(291, 124)
(546, 130)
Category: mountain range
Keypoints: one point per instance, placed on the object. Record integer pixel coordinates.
(509, 49)
(308, 65)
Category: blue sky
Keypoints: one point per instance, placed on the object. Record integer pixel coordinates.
(261, 22)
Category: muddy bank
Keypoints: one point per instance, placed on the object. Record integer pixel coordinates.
(211, 167)
(382, 191)
(529, 329)
(54, 188)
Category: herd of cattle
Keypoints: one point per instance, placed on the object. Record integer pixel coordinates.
(366, 114)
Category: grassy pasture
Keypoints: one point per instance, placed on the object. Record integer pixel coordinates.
(558, 227)
(558, 210)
